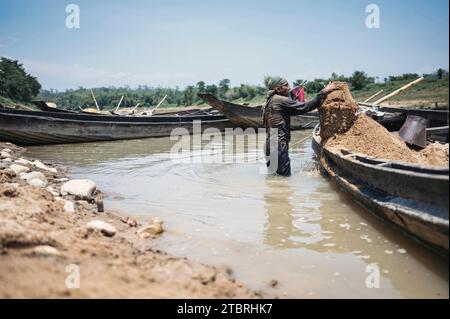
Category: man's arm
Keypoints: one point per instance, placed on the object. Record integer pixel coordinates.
(293, 107)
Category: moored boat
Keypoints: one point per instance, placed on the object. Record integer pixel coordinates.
(412, 197)
(251, 116)
(38, 128)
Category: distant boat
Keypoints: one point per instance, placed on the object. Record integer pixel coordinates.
(39, 128)
(251, 116)
(412, 197)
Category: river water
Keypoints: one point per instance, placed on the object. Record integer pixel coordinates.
(302, 232)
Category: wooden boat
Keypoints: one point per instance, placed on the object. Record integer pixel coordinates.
(412, 197)
(251, 116)
(38, 128)
(434, 117)
(396, 115)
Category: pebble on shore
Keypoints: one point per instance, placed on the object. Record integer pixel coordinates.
(82, 188)
(17, 169)
(152, 229)
(105, 228)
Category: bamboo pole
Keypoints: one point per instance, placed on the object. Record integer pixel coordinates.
(134, 108)
(163, 99)
(95, 100)
(118, 105)
(160, 102)
(373, 96)
(384, 98)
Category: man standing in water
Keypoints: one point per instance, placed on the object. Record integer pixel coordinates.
(277, 119)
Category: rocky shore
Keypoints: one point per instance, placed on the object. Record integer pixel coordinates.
(57, 240)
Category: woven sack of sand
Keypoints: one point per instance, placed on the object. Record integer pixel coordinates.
(338, 112)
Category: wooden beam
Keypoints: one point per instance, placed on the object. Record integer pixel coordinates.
(95, 100)
(160, 102)
(384, 98)
(118, 105)
(373, 96)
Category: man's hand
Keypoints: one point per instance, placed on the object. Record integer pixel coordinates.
(330, 88)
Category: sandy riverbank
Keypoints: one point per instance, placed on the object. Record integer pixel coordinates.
(46, 239)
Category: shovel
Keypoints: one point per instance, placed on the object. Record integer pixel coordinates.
(414, 132)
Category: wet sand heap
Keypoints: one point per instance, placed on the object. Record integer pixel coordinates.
(341, 128)
(337, 113)
(368, 137)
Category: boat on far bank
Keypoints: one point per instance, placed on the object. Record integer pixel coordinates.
(251, 116)
(40, 128)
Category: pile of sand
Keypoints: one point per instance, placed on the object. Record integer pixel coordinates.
(435, 154)
(337, 113)
(368, 137)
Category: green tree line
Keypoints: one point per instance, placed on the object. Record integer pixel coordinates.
(17, 85)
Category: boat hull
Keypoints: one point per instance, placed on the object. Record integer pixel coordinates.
(39, 128)
(251, 116)
(412, 197)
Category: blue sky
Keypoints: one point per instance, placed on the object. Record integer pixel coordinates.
(174, 42)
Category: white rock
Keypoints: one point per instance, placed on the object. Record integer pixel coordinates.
(69, 206)
(41, 165)
(45, 250)
(52, 191)
(6, 150)
(78, 187)
(19, 169)
(64, 179)
(35, 182)
(7, 160)
(22, 161)
(4, 154)
(33, 175)
(105, 228)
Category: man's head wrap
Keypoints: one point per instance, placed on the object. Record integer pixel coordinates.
(274, 82)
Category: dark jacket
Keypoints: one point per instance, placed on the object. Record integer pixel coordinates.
(279, 109)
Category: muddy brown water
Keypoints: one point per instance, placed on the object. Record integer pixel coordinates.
(302, 231)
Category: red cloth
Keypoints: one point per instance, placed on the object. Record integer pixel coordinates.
(298, 93)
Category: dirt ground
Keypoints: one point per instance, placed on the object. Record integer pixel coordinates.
(48, 251)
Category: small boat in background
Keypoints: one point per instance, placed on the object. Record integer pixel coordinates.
(251, 116)
(412, 197)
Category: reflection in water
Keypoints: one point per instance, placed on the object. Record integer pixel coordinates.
(302, 231)
(288, 226)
